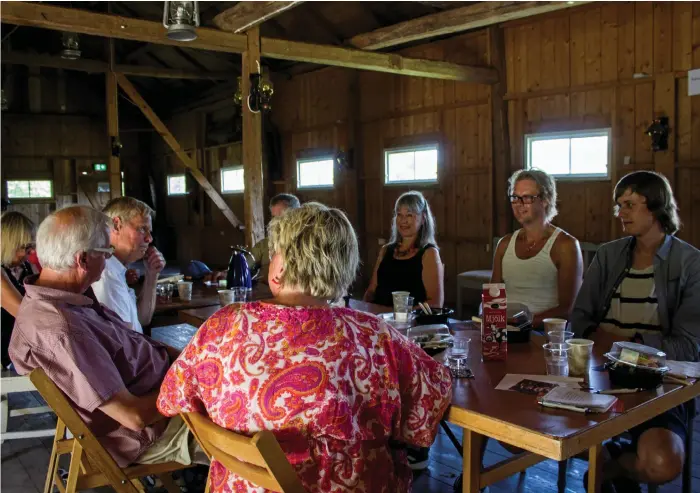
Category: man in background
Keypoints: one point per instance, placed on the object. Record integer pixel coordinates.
(278, 204)
(131, 237)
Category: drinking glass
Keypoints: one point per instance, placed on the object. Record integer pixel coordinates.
(403, 303)
(560, 336)
(240, 295)
(556, 358)
(458, 354)
(580, 354)
(184, 289)
(226, 297)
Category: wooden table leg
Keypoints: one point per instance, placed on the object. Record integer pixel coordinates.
(595, 468)
(471, 460)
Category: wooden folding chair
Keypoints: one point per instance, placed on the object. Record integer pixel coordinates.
(258, 459)
(91, 466)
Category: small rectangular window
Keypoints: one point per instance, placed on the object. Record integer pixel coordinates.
(177, 185)
(29, 189)
(315, 173)
(232, 180)
(570, 155)
(411, 164)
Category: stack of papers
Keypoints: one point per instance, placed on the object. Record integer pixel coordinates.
(684, 369)
(568, 398)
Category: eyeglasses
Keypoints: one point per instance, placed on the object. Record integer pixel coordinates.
(523, 199)
(109, 251)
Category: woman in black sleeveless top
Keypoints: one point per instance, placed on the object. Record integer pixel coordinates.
(411, 261)
(17, 237)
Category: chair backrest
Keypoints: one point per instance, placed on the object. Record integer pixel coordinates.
(258, 459)
(588, 251)
(85, 438)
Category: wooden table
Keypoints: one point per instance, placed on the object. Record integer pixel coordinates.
(517, 419)
(197, 315)
(202, 295)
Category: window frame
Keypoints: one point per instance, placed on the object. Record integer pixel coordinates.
(313, 159)
(30, 198)
(411, 148)
(167, 185)
(221, 178)
(571, 134)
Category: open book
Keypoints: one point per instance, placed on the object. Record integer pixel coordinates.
(567, 396)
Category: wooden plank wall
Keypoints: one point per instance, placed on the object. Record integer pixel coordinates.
(576, 70)
(196, 228)
(369, 112)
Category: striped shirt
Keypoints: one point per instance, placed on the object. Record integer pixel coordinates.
(634, 306)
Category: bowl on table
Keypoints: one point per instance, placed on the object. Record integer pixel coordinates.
(635, 366)
(439, 316)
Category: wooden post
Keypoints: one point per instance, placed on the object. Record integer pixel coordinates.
(503, 215)
(170, 139)
(665, 105)
(252, 147)
(114, 166)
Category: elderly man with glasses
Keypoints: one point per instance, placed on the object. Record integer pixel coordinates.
(111, 374)
(132, 223)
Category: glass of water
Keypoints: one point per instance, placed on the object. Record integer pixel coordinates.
(556, 357)
(458, 354)
(560, 336)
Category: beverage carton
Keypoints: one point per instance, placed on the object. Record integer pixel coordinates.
(494, 331)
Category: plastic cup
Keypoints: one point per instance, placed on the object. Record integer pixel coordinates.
(580, 355)
(551, 324)
(226, 297)
(559, 336)
(402, 308)
(556, 359)
(184, 289)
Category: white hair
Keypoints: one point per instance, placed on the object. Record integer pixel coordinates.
(67, 232)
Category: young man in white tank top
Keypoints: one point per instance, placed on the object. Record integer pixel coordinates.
(540, 264)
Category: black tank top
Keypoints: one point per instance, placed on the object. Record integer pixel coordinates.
(400, 275)
(8, 321)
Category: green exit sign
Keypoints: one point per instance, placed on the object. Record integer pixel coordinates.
(99, 167)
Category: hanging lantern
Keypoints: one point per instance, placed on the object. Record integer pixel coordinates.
(261, 90)
(71, 46)
(180, 18)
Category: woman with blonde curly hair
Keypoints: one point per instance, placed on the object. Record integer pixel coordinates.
(18, 233)
(343, 392)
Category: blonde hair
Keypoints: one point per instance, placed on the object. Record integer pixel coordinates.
(319, 249)
(545, 183)
(17, 231)
(127, 208)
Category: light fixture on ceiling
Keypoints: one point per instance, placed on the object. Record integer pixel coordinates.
(180, 18)
(71, 46)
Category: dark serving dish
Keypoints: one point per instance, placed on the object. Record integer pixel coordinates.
(439, 316)
(634, 377)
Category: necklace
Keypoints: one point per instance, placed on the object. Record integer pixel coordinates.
(402, 253)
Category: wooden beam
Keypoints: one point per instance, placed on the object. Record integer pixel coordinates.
(84, 22)
(252, 148)
(500, 138)
(97, 66)
(169, 139)
(112, 100)
(245, 15)
(462, 19)
(377, 62)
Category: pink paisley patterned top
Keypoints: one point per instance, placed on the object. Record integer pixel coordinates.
(341, 389)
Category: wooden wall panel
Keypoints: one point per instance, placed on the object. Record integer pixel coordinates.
(626, 64)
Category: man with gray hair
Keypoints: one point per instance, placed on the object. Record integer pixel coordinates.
(261, 251)
(111, 374)
(540, 264)
(131, 235)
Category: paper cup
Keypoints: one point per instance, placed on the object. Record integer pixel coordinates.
(551, 324)
(184, 289)
(580, 356)
(226, 297)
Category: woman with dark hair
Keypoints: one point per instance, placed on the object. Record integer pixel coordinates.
(410, 261)
(645, 288)
(18, 234)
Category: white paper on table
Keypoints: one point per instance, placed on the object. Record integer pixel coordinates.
(694, 82)
(690, 369)
(512, 379)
